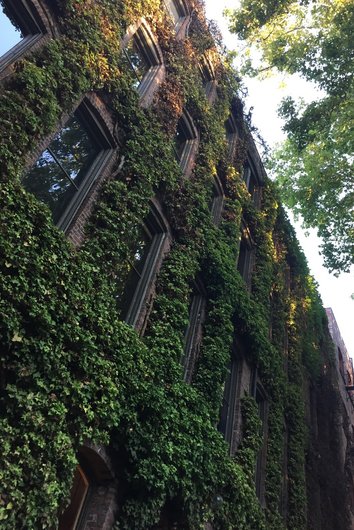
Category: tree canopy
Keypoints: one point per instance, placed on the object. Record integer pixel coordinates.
(314, 166)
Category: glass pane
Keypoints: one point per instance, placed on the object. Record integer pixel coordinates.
(137, 58)
(134, 270)
(172, 9)
(206, 75)
(69, 155)
(242, 260)
(141, 250)
(180, 139)
(74, 149)
(9, 34)
(49, 184)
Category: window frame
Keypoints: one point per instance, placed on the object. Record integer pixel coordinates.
(245, 259)
(182, 10)
(190, 145)
(157, 226)
(150, 49)
(207, 73)
(261, 398)
(28, 21)
(251, 180)
(97, 467)
(254, 162)
(217, 204)
(90, 119)
(229, 404)
(232, 134)
(193, 334)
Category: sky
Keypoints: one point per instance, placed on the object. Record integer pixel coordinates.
(264, 97)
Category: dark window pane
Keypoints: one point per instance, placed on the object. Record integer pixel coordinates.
(225, 403)
(9, 34)
(48, 182)
(242, 259)
(138, 59)
(74, 149)
(180, 139)
(134, 270)
(193, 336)
(141, 250)
(229, 128)
(231, 394)
(250, 181)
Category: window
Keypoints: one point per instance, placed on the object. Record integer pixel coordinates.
(144, 57)
(141, 268)
(217, 201)
(186, 141)
(208, 78)
(20, 30)
(230, 397)
(231, 134)
(65, 171)
(341, 364)
(69, 519)
(177, 11)
(261, 400)
(250, 179)
(193, 335)
(246, 256)
(94, 491)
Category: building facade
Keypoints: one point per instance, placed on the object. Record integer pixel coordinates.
(165, 357)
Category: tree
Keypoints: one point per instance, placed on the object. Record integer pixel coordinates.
(315, 165)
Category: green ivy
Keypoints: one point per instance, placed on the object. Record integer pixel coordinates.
(72, 370)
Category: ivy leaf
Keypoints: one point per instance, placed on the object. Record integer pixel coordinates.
(17, 338)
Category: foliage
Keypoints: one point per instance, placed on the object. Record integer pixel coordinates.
(71, 369)
(315, 165)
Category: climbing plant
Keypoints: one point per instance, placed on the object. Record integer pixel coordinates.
(71, 369)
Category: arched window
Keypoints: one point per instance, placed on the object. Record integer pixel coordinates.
(93, 496)
(208, 78)
(217, 202)
(178, 11)
(145, 59)
(341, 364)
(230, 397)
(186, 142)
(193, 335)
(67, 168)
(142, 266)
(246, 256)
(231, 134)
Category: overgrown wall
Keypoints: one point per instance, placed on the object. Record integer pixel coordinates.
(72, 370)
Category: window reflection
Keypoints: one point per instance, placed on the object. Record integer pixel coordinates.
(137, 57)
(61, 168)
(10, 36)
(134, 268)
(173, 10)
